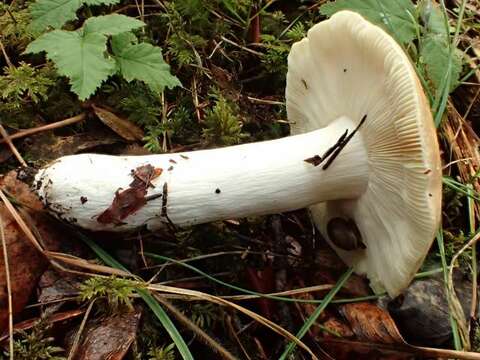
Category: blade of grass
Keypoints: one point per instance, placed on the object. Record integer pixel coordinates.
(461, 188)
(453, 323)
(291, 346)
(224, 302)
(471, 228)
(147, 298)
(454, 303)
(441, 101)
(234, 287)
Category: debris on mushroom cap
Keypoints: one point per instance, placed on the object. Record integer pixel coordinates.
(399, 212)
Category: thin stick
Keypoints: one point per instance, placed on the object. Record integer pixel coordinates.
(471, 104)
(51, 126)
(472, 226)
(14, 150)
(5, 55)
(9, 289)
(241, 47)
(342, 145)
(229, 324)
(282, 293)
(264, 101)
(423, 352)
(454, 303)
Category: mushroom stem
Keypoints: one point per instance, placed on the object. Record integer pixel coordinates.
(208, 185)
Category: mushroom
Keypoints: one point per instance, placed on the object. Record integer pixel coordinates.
(349, 67)
(364, 150)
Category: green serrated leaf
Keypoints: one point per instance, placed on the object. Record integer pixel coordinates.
(395, 16)
(111, 24)
(100, 2)
(434, 53)
(79, 57)
(145, 62)
(123, 40)
(54, 13)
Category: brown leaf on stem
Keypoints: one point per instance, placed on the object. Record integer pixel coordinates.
(128, 201)
(124, 203)
(143, 175)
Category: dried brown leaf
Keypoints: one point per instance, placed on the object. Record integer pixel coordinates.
(371, 323)
(26, 262)
(109, 338)
(122, 127)
(125, 203)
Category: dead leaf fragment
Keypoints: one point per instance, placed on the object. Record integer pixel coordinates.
(109, 338)
(122, 127)
(143, 175)
(371, 323)
(54, 318)
(55, 286)
(26, 263)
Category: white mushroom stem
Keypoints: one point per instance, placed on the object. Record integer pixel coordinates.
(208, 185)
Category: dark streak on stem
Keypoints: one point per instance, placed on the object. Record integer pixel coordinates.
(164, 199)
(153, 197)
(317, 159)
(343, 143)
(335, 146)
(164, 206)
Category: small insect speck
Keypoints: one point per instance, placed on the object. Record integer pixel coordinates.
(83, 199)
(172, 161)
(305, 84)
(344, 70)
(170, 168)
(217, 191)
(428, 171)
(184, 156)
(429, 194)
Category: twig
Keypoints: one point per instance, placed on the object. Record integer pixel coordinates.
(472, 226)
(264, 101)
(5, 55)
(454, 303)
(303, 290)
(228, 322)
(343, 144)
(51, 126)
(471, 104)
(241, 47)
(195, 99)
(422, 352)
(14, 150)
(9, 288)
(52, 256)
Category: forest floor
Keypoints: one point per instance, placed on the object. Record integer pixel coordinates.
(253, 288)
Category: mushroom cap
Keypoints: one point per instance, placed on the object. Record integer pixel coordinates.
(347, 66)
